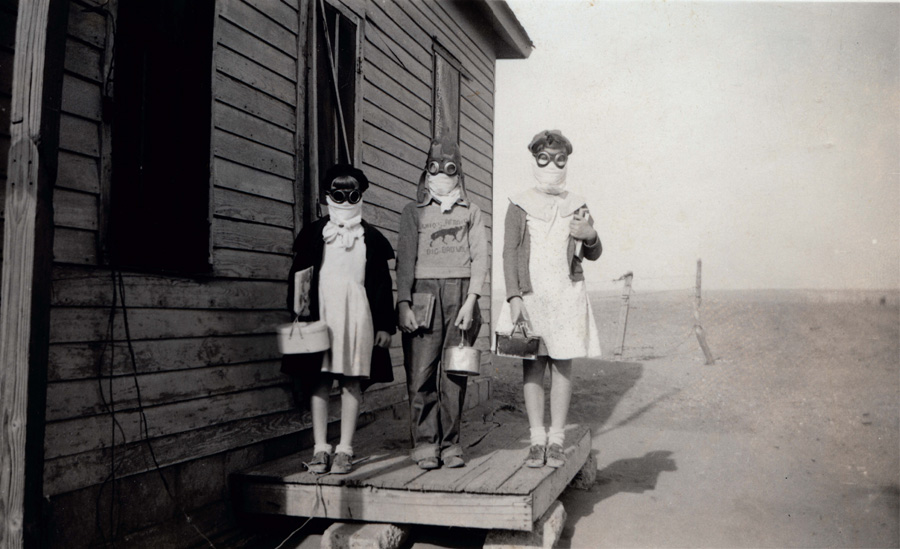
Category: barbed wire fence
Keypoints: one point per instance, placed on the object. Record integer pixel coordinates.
(652, 324)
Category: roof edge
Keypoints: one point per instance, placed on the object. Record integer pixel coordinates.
(515, 43)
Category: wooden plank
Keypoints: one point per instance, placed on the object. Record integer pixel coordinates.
(74, 246)
(381, 217)
(255, 75)
(477, 98)
(475, 134)
(74, 209)
(375, 60)
(389, 37)
(476, 155)
(234, 176)
(248, 207)
(254, 22)
(469, 106)
(87, 26)
(245, 264)
(384, 198)
(545, 493)
(74, 436)
(246, 152)
(252, 236)
(244, 97)
(28, 240)
(77, 172)
(471, 39)
(245, 43)
(69, 325)
(257, 129)
(73, 361)
(385, 505)
(277, 12)
(388, 141)
(83, 60)
(375, 98)
(73, 399)
(79, 135)
(406, 175)
(80, 287)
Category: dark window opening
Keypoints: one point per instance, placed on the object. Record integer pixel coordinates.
(335, 90)
(159, 211)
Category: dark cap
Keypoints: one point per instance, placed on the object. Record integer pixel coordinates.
(341, 170)
(549, 139)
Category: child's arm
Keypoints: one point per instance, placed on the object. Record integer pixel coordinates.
(478, 252)
(582, 228)
(512, 239)
(406, 267)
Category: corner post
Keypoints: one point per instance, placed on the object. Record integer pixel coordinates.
(27, 265)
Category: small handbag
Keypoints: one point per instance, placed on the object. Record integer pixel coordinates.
(299, 338)
(518, 345)
(462, 359)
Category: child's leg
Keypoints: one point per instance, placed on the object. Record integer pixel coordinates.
(533, 388)
(421, 358)
(560, 396)
(319, 409)
(350, 399)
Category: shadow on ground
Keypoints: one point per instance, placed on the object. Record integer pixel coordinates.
(631, 475)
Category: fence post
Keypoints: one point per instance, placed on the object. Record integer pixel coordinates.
(623, 312)
(698, 328)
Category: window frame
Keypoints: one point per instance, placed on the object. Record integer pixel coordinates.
(310, 190)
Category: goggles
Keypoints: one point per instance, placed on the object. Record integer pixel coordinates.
(450, 168)
(544, 158)
(339, 196)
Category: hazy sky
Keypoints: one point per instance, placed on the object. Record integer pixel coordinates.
(762, 138)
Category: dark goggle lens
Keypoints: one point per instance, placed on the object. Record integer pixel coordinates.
(340, 196)
(434, 168)
(560, 159)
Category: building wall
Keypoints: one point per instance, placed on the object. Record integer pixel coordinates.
(204, 385)
(8, 10)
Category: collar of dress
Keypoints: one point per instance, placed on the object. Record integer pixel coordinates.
(542, 205)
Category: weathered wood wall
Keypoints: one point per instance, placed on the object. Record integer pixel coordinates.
(8, 9)
(206, 362)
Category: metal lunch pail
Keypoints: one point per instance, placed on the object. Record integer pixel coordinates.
(462, 360)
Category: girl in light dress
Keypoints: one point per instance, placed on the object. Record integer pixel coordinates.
(548, 233)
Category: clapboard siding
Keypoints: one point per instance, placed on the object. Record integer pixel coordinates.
(205, 355)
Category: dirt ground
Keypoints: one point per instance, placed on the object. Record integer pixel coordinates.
(792, 439)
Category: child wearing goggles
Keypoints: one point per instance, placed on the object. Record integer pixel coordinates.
(548, 232)
(350, 290)
(442, 253)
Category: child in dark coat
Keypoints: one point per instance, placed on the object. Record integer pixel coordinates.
(350, 290)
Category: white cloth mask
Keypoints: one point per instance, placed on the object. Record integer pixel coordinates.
(444, 189)
(550, 179)
(344, 224)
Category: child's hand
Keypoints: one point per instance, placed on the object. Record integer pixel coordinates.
(516, 309)
(382, 338)
(580, 228)
(407, 318)
(466, 313)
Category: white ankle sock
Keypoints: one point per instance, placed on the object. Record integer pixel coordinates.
(343, 449)
(538, 436)
(556, 436)
(322, 448)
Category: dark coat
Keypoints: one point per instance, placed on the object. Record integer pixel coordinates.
(309, 249)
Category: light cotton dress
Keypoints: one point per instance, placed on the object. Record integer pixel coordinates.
(344, 307)
(557, 308)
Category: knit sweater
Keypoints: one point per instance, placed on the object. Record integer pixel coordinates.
(436, 244)
(517, 242)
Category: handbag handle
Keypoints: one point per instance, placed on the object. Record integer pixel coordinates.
(520, 325)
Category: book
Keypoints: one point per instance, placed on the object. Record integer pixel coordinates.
(302, 283)
(423, 308)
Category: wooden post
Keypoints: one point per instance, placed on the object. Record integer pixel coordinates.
(623, 312)
(27, 264)
(698, 328)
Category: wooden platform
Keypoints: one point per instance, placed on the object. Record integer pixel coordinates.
(493, 490)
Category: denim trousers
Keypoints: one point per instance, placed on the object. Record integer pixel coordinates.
(435, 397)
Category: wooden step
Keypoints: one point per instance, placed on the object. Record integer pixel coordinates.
(493, 490)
